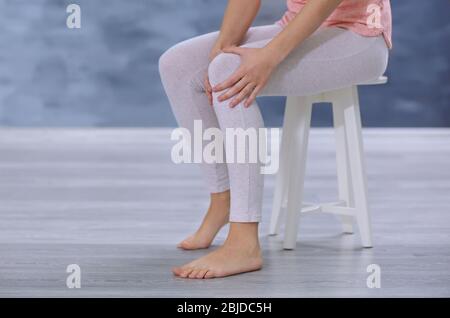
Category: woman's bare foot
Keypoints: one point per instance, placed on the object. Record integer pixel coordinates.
(239, 254)
(216, 217)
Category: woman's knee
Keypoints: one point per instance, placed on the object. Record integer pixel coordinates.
(186, 56)
(222, 66)
(169, 61)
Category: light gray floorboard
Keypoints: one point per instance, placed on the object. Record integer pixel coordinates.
(112, 201)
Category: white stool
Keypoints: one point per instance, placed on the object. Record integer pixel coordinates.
(352, 184)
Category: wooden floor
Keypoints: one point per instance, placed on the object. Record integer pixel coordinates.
(112, 202)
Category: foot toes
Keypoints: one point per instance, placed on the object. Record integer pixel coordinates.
(194, 273)
(209, 274)
(177, 271)
(190, 244)
(185, 272)
(201, 274)
(184, 244)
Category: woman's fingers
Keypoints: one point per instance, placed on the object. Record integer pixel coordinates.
(207, 84)
(234, 49)
(252, 96)
(208, 89)
(234, 78)
(248, 80)
(233, 90)
(247, 90)
(230, 81)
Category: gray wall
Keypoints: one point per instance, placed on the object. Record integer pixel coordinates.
(105, 74)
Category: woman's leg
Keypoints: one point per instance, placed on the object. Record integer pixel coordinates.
(183, 68)
(241, 251)
(330, 59)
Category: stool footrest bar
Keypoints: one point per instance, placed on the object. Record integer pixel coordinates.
(338, 208)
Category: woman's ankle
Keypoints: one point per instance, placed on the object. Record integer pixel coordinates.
(221, 197)
(219, 208)
(244, 235)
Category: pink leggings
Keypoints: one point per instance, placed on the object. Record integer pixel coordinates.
(329, 59)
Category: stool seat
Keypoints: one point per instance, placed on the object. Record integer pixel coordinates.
(352, 203)
(379, 81)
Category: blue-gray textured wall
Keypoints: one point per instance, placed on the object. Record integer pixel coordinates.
(106, 73)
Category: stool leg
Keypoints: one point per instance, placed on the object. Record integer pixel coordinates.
(282, 177)
(343, 169)
(352, 119)
(299, 146)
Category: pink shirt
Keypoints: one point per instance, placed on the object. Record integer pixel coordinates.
(365, 17)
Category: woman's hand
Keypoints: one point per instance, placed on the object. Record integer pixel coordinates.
(208, 89)
(257, 64)
(237, 19)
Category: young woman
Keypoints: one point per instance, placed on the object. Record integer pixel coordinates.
(318, 45)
